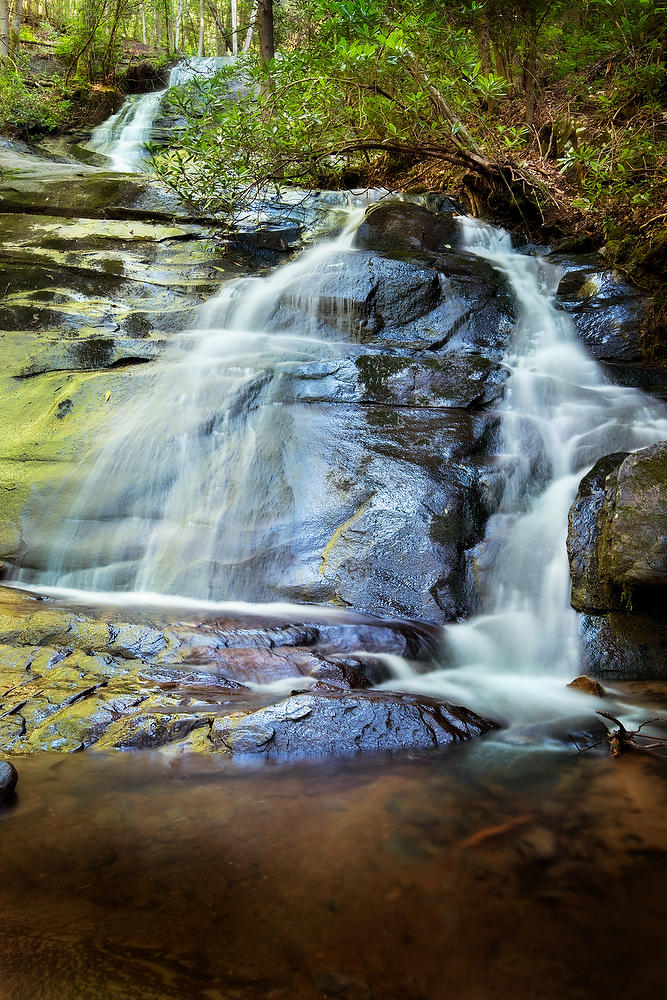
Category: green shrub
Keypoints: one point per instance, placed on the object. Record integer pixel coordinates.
(27, 109)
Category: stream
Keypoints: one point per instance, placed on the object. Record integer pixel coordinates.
(293, 443)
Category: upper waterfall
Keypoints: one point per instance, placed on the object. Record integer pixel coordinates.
(124, 135)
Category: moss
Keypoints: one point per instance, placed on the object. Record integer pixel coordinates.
(382, 418)
(331, 544)
(446, 528)
(376, 370)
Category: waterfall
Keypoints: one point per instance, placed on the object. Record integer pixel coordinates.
(124, 135)
(207, 478)
(559, 415)
(203, 481)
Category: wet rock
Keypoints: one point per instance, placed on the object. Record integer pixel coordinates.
(340, 675)
(360, 294)
(8, 779)
(314, 724)
(617, 544)
(617, 539)
(468, 381)
(634, 533)
(591, 590)
(71, 679)
(588, 685)
(399, 226)
(607, 313)
(149, 730)
(425, 302)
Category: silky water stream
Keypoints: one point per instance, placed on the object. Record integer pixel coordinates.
(504, 868)
(123, 137)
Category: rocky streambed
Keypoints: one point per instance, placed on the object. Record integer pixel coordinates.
(101, 273)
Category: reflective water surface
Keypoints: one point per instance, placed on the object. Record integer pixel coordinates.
(490, 871)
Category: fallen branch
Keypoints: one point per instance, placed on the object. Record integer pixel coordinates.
(621, 740)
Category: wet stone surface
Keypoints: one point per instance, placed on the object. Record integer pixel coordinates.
(72, 680)
(618, 563)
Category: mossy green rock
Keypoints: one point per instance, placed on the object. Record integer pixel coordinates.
(76, 679)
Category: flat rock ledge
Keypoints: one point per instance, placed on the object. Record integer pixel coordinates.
(72, 679)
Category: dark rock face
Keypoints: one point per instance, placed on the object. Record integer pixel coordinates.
(8, 778)
(607, 312)
(394, 227)
(143, 78)
(617, 544)
(624, 646)
(342, 723)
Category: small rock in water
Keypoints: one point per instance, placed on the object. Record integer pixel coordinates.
(8, 778)
(588, 685)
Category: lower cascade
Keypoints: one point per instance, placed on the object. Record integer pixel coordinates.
(214, 473)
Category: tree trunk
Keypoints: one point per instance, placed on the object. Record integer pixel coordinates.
(253, 17)
(530, 65)
(220, 26)
(235, 28)
(15, 30)
(485, 44)
(265, 30)
(143, 24)
(167, 26)
(4, 30)
(200, 47)
(177, 34)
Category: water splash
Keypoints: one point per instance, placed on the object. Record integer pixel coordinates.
(124, 135)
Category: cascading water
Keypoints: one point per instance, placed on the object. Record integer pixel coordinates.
(206, 480)
(200, 485)
(123, 136)
(558, 417)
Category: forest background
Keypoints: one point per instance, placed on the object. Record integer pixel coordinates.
(543, 114)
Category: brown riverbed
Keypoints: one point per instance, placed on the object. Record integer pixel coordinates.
(489, 871)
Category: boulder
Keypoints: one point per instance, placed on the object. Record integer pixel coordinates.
(624, 646)
(591, 587)
(8, 778)
(617, 545)
(588, 685)
(396, 226)
(607, 311)
(617, 540)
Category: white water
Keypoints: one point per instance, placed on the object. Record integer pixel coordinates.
(559, 416)
(206, 477)
(123, 136)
